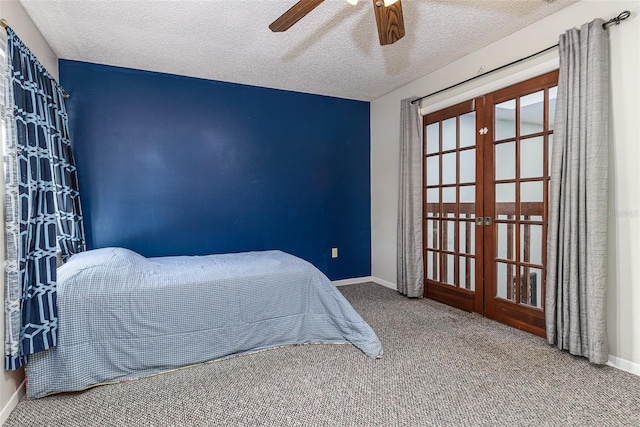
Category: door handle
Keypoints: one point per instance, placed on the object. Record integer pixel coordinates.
(483, 220)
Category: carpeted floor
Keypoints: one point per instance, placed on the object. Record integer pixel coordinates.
(441, 367)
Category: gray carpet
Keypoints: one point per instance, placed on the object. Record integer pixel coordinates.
(441, 367)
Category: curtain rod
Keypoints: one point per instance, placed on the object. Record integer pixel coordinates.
(65, 94)
(621, 17)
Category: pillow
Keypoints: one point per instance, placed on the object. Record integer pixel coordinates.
(105, 257)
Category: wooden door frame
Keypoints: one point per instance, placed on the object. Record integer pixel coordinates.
(527, 318)
(482, 300)
(461, 298)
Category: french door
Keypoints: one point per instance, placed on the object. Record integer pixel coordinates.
(486, 185)
(452, 202)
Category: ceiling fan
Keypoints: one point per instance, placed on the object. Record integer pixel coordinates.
(388, 18)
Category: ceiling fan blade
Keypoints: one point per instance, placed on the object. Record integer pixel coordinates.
(293, 15)
(390, 21)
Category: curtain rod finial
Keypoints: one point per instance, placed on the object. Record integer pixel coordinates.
(623, 15)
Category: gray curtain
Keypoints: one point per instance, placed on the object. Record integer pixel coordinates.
(410, 268)
(577, 237)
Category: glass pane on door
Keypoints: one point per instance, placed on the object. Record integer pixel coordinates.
(448, 269)
(448, 236)
(449, 168)
(433, 138)
(450, 179)
(521, 158)
(531, 243)
(468, 129)
(449, 134)
(467, 205)
(505, 161)
(505, 120)
(432, 263)
(531, 286)
(553, 94)
(467, 237)
(506, 281)
(532, 157)
(506, 241)
(532, 113)
(468, 165)
(432, 171)
(467, 275)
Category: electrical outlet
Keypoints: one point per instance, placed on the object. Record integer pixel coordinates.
(334, 252)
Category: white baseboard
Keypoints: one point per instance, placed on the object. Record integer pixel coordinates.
(624, 365)
(384, 283)
(365, 279)
(353, 281)
(13, 402)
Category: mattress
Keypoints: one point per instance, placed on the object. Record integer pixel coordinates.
(124, 316)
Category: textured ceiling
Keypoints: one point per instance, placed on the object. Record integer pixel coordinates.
(332, 51)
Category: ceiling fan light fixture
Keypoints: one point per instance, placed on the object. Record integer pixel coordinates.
(353, 2)
(388, 3)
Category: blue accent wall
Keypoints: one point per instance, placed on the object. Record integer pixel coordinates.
(172, 165)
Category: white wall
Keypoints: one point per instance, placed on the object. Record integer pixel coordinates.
(19, 21)
(624, 220)
(13, 12)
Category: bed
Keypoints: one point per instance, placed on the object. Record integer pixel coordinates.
(123, 316)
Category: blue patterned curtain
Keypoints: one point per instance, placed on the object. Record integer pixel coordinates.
(42, 203)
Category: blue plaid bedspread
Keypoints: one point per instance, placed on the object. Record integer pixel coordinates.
(124, 316)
